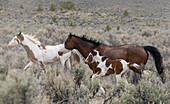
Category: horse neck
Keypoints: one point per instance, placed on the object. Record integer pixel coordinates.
(97, 58)
(83, 47)
(27, 43)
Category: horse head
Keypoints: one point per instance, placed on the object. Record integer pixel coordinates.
(92, 56)
(69, 44)
(17, 39)
(89, 58)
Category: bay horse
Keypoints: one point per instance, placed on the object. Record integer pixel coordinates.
(130, 52)
(105, 66)
(39, 53)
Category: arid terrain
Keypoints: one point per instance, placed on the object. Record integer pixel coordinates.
(113, 22)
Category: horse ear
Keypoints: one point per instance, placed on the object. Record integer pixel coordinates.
(70, 35)
(19, 33)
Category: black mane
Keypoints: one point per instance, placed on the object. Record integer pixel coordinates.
(84, 37)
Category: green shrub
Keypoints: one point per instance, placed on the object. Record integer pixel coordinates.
(118, 27)
(52, 7)
(3, 71)
(79, 9)
(153, 25)
(68, 5)
(79, 74)
(54, 19)
(166, 26)
(39, 8)
(21, 6)
(71, 24)
(61, 8)
(62, 89)
(108, 28)
(125, 13)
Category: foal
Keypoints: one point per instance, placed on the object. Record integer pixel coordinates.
(105, 66)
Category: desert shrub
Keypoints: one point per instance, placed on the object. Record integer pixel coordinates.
(108, 28)
(18, 88)
(79, 74)
(118, 28)
(166, 26)
(51, 35)
(113, 39)
(54, 19)
(147, 91)
(52, 7)
(125, 13)
(1, 6)
(39, 8)
(71, 24)
(79, 9)
(68, 5)
(153, 25)
(61, 8)
(61, 89)
(3, 71)
(147, 33)
(21, 6)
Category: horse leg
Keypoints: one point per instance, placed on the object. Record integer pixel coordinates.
(28, 65)
(62, 61)
(118, 78)
(124, 77)
(125, 81)
(68, 64)
(42, 68)
(100, 86)
(94, 76)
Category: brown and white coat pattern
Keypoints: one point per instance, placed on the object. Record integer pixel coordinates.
(38, 53)
(107, 67)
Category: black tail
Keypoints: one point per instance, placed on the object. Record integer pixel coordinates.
(157, 57)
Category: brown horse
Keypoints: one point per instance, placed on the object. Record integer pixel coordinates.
(131, 52)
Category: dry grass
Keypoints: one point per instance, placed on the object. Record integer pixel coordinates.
(17, 86)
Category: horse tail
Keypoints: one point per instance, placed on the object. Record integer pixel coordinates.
(157, 57)
(76, 58)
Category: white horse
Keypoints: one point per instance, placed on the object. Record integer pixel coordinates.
(39, 53)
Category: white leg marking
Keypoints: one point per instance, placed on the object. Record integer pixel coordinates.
(118, 78)
(68, 64)
(28, 65)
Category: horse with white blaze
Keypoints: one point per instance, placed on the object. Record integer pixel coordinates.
(39, 53)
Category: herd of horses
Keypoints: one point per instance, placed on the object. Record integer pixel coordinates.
(102, 59)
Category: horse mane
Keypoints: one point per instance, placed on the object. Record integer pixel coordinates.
(84, 37)
(32, 38)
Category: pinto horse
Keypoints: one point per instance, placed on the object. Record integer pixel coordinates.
(130, 53)
(39, 53)
(105, 66)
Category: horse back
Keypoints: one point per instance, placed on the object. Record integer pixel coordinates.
(130, 53)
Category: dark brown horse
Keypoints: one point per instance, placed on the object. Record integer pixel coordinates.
(131, 53)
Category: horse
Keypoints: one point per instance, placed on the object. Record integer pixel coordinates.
(39, 53)
(130, 52)
(105, 66)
